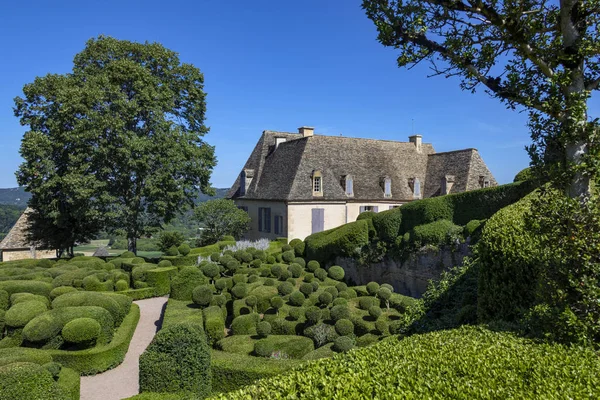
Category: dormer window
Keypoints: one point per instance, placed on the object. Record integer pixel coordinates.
(348, 184)
(317, 183)
(415, 185)
(387, 187)
(484, 181)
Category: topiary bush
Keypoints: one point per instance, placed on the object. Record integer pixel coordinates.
(296, 270)
(172, 251)
(372, 288)
(344, 241)
(313, 314)
(211, 271)
(288, 256)
(344, 327)
(339, 312)
(26, 380)
(367, 302)
(375, 311)
(343, 344)
(263, 329)
(117, 305)
(202, 295)
(177, 360)
(285, 288)
(185, 281)
(214, 324)
(21, 313)
(325, 298)
(306, 288)
(436, 233)
(240, 290)
(81, 330)
(313, 265)
(245, 324)
(387, 224)
(297, 299)
(183, 249)
(336, 273)
(321, 274)
(298, 247)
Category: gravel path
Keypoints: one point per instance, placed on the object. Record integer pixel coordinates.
(123, 381)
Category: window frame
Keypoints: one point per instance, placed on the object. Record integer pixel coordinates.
(264, 219)
(317, 176)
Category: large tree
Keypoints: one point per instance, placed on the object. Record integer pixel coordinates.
(221, 217)
(116, 143)
(539, 55)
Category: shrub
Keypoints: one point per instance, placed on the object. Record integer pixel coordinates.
(214, 324)
(365, 215)
(336, 273)
(177, 360)
(367, 302)
(382, 326)
(306, 288)
(81, 330)
(320, 334)
(60, 290)
(298, 246)
(256, 263)
(277, 302)
(313, 265)
(263, 329)
(285, 275)
(211, 270)
(333, 291)
(296, 313)
(109, 302)
(21, 313)
(344, 327)
(325, 298)
(245, 324)
(185, 281)
(26, 380)
(240, 290)
(23, 297)
(285, 288)
(300, 261)
(313, 314)
(121, 285)
(276, 270)
(4, 299)
(340, 301)
(524, 175)
(297, 299)
(164, 264)
(387, 224)
(184, 249)
(436, 233)
(348, 294)
(264, 348)
(385, 294)
(251, 301)
(321, 274)
(168, 240)
(172, 251)
(232, 266)
(288, 256)
(341, 286)
(372, 288)
(292, 346)
(375, 311)
(240, 278)
(296, 270)
(253, 278)
(343, 343)
(344, 241)
(308, 277)
(202, 295)
(339, 312)
(34, 287)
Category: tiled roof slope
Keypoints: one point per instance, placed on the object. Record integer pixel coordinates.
(17, 237)
(285, 173)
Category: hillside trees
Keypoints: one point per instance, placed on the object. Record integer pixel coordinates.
(115, 144)
(221, 217)
(535, 54)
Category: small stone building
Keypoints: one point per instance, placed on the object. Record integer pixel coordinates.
(15, 245)
(296, 184)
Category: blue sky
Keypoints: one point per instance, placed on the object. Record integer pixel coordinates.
(267, 65)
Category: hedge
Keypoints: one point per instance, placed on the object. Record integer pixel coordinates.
(81, 330)
(185, 281)
(180, 311)
(182, 261)
(34, 287)
(214, 324)
(21, 313)
(245, 324)
(139, 294)
(435, 233)
(343, 241)
(48, 325)
(232, 371)
(99, 359)
(24, 380)
(177, 360)
(109, 303)
(160, 279)
(508, 273)
(469, 362)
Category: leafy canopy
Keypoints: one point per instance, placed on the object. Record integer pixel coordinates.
(116, 143)
(221, 217)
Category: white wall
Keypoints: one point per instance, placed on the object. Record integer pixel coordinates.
(277, 208)
(300, 217)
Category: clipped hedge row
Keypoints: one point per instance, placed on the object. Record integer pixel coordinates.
(469, 362)
(343, 241)
(25, 380)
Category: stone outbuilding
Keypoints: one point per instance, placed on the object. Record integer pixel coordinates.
(15, 245)
(296, 184)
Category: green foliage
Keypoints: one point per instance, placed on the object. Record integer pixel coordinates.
(81, 330)
(202, 295)
(291, 346)
(306, 288)
(366, 215)
(214, 324)
(118, 305)
(344, 241)
(288, 256)
(366, 302)
(313, 265)
(61, 290)
(221, 218)
(436, 233)
(336, 272)
(169, 239)
(298, 246)
(343, 344)
(24, 380)
(375, 312)
(472, 227)
(172, 251)
(321, 274)
(152, 109)
(325, 298)
(387, 224)
(339, 312)
(525, 174)
(313, 314)
(297, 299)
(240, 290)
(344, 327)
(277, 302)
(263, 329)
(21, 313)
(34, 287)
(185, 281)
(458, 363)
(177, 360)
(285, 288)
(372, 288)
(245, 324)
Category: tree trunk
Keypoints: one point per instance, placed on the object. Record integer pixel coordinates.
(132, 244)
(580, 184)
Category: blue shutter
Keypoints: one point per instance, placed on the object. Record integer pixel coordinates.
(276, 225)
(362, 209)
(376, 209)
(318, 220)
(260, 221)
(268, 219)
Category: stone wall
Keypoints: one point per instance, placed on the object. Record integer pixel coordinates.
(12, 255)
(410, 277)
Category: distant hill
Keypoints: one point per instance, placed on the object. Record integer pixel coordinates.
(19, 197)
(14, 197)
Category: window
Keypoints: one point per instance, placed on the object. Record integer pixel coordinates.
(278, 225)
(417, 189)
(317, 183)
(387, 187)
(349, 185)
(484, 181)
(395, 206)
(369, 208)
(264, 219)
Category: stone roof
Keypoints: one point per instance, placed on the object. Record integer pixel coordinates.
(17, 237)
(285, 173)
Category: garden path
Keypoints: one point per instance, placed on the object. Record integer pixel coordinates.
(123, 381)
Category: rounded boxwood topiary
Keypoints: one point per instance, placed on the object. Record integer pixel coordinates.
(172, 251)
(387, 286)
(332, 290)
(296, 313)
(325, 314)
(286, 247)
(342, 344)
(297, 298)
(375, 311)
(164, 264)
(382, 326)
(341, 286)
(340, 301)
(313, 265)
(251, 301)
(271, 260)
(306, 288)
(202, 295)
(239, 291)
(21, 313)
(127, 254)
(211, 270)
(264, 348)
(184, 249)
(339, 312)
(315, 285)
(245, 324)
(61, 290)
(396, 327)
(269, 282)
(309, 277)
(325, 298)
(253, 278)
(81, 330)
(336, 272)
(291, 280)
(288, 256)
(221, 284)
(296, 270)
(285, 288)
(218, 300)
(277, 302)
(313, 314)
(240, 278)
(232, 266)
(285, 275)
(321, 274)
(276, 270)
(344, 327)
(367, 302)
(121, 285)
(298, 246)
(256, 263)
(300, 261)
(348, 294)
(372, 288)
(263, 329)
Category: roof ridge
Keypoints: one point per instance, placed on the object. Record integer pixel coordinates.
(454, 151)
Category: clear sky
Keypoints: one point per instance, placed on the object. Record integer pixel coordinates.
(267, 64)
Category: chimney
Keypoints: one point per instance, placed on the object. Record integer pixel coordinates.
(306, 131)
(417, 140)
(278, 141)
